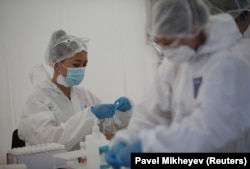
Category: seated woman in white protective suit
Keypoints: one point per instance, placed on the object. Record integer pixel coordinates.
(199, 101)
(59, 110)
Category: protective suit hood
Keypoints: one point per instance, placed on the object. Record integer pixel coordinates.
(40, 78)
(218, 38)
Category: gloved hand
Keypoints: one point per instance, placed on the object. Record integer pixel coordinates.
(111, 156)
(123, 104)
(124, 158)
(103, 111)
(121, 157)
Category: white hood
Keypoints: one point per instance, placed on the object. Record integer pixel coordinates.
(218, 38)
(40, 78)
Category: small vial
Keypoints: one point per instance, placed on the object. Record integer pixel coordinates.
(102, 151)
(83, 159)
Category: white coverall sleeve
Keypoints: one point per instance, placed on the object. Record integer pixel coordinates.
(222, 118)
(154, 109)
(38, 125)
(119, 121)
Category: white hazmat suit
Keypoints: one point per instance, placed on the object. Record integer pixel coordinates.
(49, 116)
(202, 105)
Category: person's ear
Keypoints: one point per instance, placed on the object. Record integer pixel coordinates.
(56, 67)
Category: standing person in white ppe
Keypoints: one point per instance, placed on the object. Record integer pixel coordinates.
(59, 110)
(199, 101)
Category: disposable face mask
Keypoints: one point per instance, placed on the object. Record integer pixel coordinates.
(74, 77)
(180, 54)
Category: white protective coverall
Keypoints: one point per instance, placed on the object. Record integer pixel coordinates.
(198, 106)
(49, 116)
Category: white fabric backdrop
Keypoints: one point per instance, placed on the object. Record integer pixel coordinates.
(120, 61)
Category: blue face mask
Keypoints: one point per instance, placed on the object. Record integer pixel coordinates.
(74, 77)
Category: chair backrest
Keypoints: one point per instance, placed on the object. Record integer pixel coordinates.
(16, 141)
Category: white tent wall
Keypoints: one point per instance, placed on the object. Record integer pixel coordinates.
(120, 61)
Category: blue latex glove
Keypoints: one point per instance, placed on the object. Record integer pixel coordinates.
(123, 104)
(103, 111)
(111, 156)
(124, 158)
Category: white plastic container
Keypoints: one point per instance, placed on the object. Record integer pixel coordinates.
(96, 145)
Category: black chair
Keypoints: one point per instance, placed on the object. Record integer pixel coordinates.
(16, 141)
